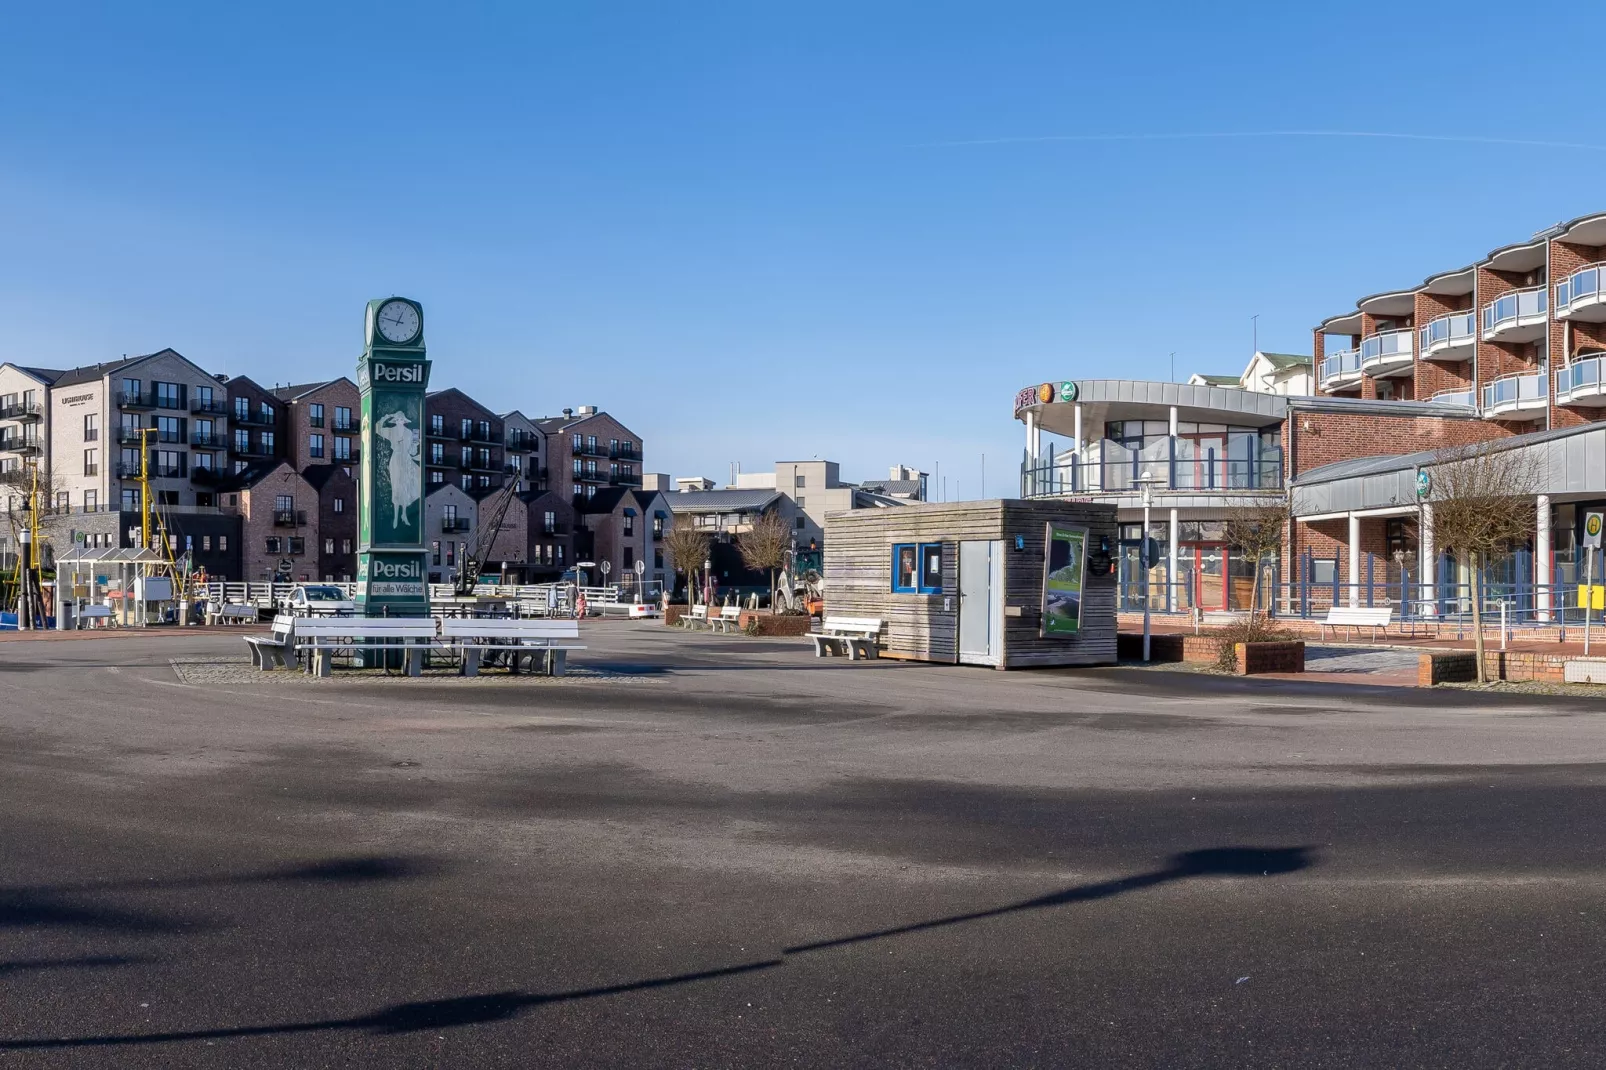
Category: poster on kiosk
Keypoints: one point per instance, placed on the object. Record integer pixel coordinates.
(1063, 567)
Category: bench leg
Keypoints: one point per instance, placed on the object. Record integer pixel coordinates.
(413, 658)
(322, 661)
(557, 662)
(471, 661)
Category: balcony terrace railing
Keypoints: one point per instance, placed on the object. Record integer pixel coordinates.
(22, 410)
(209, 406)
(1341, 367)
(625, 480)
(1110, 468)
(1582, 289)
(202, 440)
(1447, 332)
(289, 518)
(1468, 397)
(1512, 393)
(167, 471)
(1519, 308)
(622, 454)
(255, 417)
(1390, 349)
(132, 436)
(453, 524)
(1582, 382)
(522, 441)
(21, 444)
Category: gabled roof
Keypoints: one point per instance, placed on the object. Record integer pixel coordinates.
(251, 475)
(604, 501)
(320, 474)
(893, 487)
(95, 372)
(1283, 361)
(1214, 380)
(722, 501)
(298, 391)
(484, 408)
(45, 376)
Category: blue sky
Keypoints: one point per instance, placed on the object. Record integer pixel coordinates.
(747, 229)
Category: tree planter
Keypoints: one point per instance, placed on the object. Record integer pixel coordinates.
(1251, 658)
(769, 624)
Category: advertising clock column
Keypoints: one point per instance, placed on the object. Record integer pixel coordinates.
(392, 376)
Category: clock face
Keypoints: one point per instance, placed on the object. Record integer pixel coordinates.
(397, 321)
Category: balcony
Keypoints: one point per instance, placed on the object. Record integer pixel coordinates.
(202, 440)
(1237, 465)
(171, 438)
(554, 529)
(1468, 397)
(167, 471)
(452, 525)
(1582, 295)
(126, 471)
(1582, 382)
(22, 410)
(1388, 353)
(1341, 369)
(589, 449)
(1447, 335)
(1515, 397)
(625, 481)
(133, 436)
(28, 447)
(255, 418)
(1518, 316)
(209, 406)
(622, 454)
(343, 425)
(136, 399)
(522, 442)
(590, 477)
(289, 518)
(205, 477)
(251, 448)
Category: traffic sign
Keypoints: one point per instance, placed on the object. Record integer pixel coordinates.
(1592, 526)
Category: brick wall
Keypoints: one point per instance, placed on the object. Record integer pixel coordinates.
(241, 386)
(1435, 373)
(1312, 439)
(341, 525)
(1566, 258)
(560, 456)
(454, 406)
(341, 393)
(257, 525)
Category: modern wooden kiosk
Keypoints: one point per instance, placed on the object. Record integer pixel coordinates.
(1010, 584)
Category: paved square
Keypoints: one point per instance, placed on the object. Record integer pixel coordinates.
(720, 851)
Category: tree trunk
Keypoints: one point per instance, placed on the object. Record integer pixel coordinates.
(1477, 617)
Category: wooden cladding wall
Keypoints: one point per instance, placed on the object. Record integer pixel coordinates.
(858, 578)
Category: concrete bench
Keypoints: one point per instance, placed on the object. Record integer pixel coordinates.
(273, 651)
(104, 614)
(233, 614)
(1352, 617)
(323, 637)
(697, 618)
(546, 640)
(729, 620)
(854, 636)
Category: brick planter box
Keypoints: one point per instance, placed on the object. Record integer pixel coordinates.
(1169, 647)
(673, 614)
(771, 625)
(1449, 667)
(1254, 658)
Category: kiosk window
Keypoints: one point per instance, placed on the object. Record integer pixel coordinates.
(931, 568)
(905, 565)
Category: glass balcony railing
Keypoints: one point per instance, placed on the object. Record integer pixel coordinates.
(1581, 288)
(1515, 309)
(1515, 392)
(1386, 349)
(1456, 329)
(1455, 397)
(1341, 366)
(1581, 379)
(1239, 464)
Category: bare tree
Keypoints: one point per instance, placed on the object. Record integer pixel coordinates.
(764, 545)
(688, 548)
(1255, 529)
(1483, 505)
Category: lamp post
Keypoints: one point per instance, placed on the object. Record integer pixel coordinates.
(1147, 481)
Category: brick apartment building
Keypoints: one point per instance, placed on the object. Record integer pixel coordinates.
(321, 428)
(462, 442)
(587, 451)
(279, 522)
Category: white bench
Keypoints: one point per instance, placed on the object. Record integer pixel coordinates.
(233, 614)
(1352, 617)
(273, 651)
(697, 618)
(549, 640)
(854, 636)
(323, 637)
(729, 620)
(101, 613)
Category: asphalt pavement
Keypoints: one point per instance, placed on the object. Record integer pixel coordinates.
(723, 852)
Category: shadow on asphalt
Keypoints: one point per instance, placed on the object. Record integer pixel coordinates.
(402, 1018)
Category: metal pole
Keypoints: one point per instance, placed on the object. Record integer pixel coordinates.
(1589, 594)
(1143, 555)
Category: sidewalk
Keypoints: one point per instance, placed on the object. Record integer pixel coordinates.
(154, 632)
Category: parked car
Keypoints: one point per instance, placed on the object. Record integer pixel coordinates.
(318, 600)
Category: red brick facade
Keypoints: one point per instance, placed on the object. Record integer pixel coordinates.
(275, 532)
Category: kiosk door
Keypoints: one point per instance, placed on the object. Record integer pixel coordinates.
(981, 603)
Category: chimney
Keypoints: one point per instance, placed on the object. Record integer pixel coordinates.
(588, 410)
(568, 413)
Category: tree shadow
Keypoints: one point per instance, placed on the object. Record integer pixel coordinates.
(483, 1009)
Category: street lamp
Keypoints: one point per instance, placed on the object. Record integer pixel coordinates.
(1146, 481)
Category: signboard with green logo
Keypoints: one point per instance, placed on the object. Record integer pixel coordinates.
(392, 375)
(1064, 562)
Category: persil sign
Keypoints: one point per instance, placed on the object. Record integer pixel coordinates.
(381, 372)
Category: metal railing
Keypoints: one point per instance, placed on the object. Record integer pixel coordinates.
(21, 410)
(1582, 287)
(1515, 392)
(1457, 328)
(1389, 346)
(1509, 310)
(1336, 367)
(211, 406)
(1581, 378)
(289, 518)
(1468, 397)
(1176, 464)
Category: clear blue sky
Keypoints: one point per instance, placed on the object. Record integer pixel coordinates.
(743, 228)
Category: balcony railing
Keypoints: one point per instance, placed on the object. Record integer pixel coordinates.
(622, 454)
(202, 440)
(126, 471)
(1447, 332)
(589, 449)
(1180, 464)
(289, 518)
(1468, 397)
(522, 442)
(172, 438)
(625, 481)
(1519, 308)
(132, 436)
(1515, 393)
(342, 425)
(1580, 290)
(251, 448)
(1341, 368)
(255, 417)
(22, 410)
(209, 406)
(1386, 351)
(205, 477)
(453, 524)
(1582, 382)
(136, 399)
(21, 444)
(167, 471)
